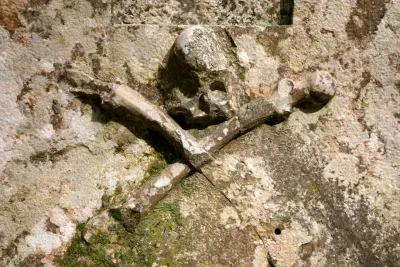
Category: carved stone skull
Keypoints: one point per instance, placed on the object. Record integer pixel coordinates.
(201, 78)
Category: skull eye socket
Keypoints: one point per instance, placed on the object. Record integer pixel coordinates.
(189, 88)
(218, 86)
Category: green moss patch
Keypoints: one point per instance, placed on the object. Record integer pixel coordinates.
(188, 186)
(159, 164)
(82, 253)
(122, 247)
(113, 198)
(313, 187)
(152, 232)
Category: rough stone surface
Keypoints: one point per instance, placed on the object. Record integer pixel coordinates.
(214, 12)
(327, 180)
(280, 185)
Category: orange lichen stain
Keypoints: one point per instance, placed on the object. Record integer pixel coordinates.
(10, 19)
(258, 92)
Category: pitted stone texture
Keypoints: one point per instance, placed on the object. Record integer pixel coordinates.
(277, 181)
(214, 12)
(201, 78)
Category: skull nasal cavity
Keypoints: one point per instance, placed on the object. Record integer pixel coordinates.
(204, 105)
(218, 86)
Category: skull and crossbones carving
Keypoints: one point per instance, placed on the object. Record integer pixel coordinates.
(201, 85)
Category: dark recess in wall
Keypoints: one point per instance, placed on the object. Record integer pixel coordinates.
(286, 12)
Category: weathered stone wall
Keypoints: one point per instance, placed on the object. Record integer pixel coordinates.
(181, 12)
(328, 180)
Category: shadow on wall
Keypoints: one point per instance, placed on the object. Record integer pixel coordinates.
(286, 12)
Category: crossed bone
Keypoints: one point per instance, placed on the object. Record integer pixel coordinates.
(197, 153)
